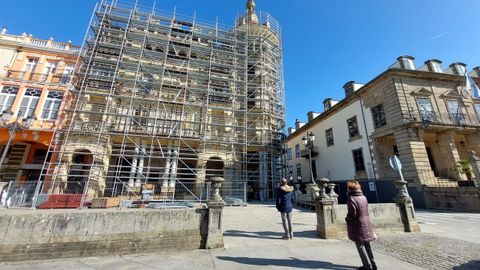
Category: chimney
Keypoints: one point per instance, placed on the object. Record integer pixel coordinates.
(298, 124)
(434, 65)
(458, 68)
(311, 115)
(291, 131)
(477, 71)
(4, 31)
(405, 62)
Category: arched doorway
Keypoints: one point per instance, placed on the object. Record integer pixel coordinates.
(79, 171)
(214, 167)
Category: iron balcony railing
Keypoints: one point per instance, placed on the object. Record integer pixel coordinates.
(39, 77)
(435, 118)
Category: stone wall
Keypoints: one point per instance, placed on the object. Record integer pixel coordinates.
(385, 218)
(46, 234)
(457, 198)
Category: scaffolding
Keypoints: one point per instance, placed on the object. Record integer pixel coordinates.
(166, 101)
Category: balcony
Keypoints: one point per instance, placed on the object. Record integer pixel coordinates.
(448, 119)
(25, 40)
(304, 152)
(38, 77)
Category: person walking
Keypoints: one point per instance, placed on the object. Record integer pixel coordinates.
(284, 203)
(359, 226)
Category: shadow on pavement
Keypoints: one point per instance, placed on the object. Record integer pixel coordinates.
(270, 234)
(292, 262)
(468, 266)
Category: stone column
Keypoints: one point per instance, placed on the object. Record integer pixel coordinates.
(475, 163)
(327, 225)
(412, 152)
(449, 153)
(405, 206)
(215, 206)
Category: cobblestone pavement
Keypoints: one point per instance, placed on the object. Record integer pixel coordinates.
(430, 251)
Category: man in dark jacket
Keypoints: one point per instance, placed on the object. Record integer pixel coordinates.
(284, 203)
(358, 225)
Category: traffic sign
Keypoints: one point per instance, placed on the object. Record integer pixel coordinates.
(395, 163)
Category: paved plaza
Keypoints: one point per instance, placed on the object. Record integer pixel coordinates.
(252, 241)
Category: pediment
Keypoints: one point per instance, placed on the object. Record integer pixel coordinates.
(451, 94)
(422, 92)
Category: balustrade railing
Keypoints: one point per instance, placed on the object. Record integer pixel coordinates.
(39, 77)
(435, 118)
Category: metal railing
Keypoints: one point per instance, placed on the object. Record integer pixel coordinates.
(435, 118)
(18, 194)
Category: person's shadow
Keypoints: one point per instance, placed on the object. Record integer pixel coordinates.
(270, 234)
(474, 264)
(291, 262)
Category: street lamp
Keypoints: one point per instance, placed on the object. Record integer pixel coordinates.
(308, 142)
(18, 125)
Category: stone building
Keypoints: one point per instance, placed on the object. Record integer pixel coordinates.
(170, 100)
(428, 116)
(35, 76)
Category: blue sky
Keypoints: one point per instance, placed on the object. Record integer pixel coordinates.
(326, 43)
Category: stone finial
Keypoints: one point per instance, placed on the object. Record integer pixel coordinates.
(331, 193)
(322, 184)
(402, 194)
(216, 184)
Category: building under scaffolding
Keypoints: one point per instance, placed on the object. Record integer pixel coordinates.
(169, 100)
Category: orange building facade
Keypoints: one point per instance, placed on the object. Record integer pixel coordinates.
(35, 76)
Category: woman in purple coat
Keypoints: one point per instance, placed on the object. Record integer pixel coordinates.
(358, 224)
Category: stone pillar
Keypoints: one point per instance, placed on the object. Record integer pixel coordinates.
(405, 206)
(327, 227)
(449, 153)
(215, 206)
(475, 163)
(413, 155)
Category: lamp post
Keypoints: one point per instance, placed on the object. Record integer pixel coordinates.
(308, 142)
(18, 125)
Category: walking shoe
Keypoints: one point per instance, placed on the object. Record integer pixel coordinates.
(285, 237)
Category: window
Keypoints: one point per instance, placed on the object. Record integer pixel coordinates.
(50, 68)
(67, 73)
(329, 136)
(297, 150)
(426, 110)
(52, 105)
(477, 109)
(68, 70)
(299, 172)
(352, 127)
(378, 116)
(289, 154)
(29, 102)
(358, 160)
(455, 112)
(31, 65)
(7, 96)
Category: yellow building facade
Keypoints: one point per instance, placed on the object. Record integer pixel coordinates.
(35, 76)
